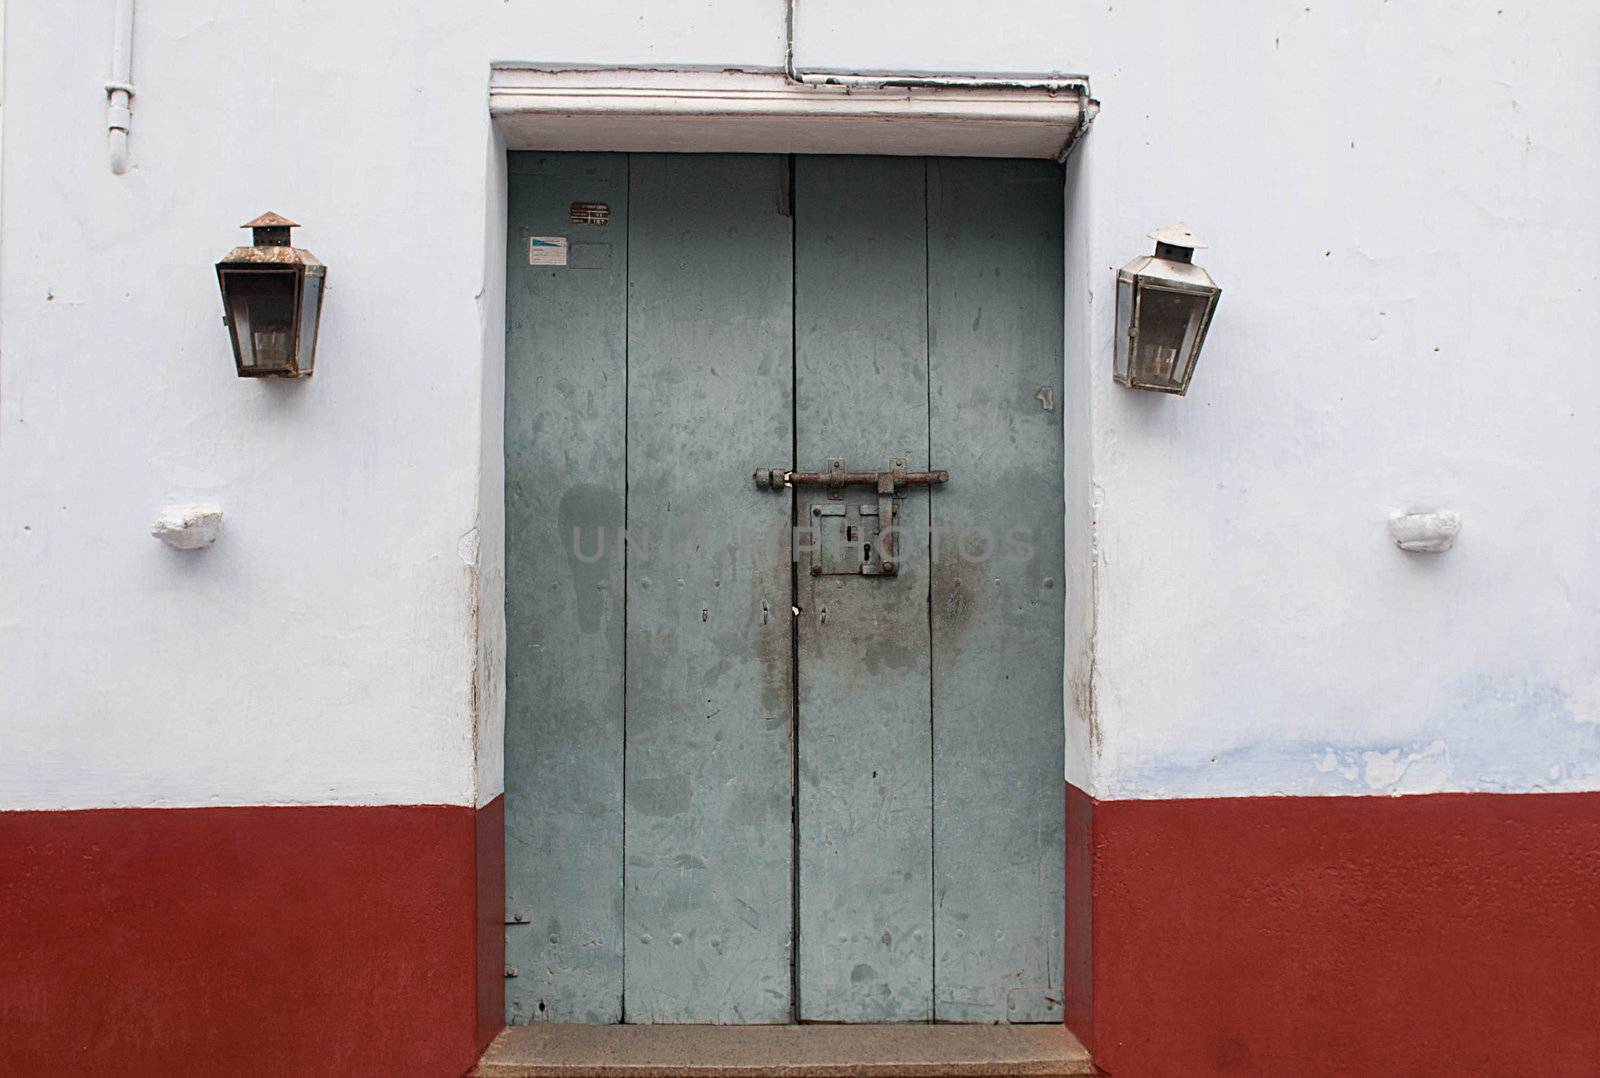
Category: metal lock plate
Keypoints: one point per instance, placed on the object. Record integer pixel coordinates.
(857, 539)
(847, 540)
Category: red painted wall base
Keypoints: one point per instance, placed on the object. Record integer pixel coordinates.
(245, 941)
(1450, 935)
(1446, 935)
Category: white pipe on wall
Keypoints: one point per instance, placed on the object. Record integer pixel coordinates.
(1074, 84)
(119, 91)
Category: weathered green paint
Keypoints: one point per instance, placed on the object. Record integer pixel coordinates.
(861, 371)
(565, 403)
(710, 683)
(995, 293)
(652, 862)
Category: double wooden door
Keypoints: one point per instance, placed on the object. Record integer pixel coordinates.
(752, 776)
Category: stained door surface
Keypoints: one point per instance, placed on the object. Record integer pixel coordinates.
(746, 781)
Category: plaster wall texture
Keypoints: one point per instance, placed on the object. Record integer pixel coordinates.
(1395, 195)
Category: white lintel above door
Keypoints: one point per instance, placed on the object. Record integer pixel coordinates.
(699, 111)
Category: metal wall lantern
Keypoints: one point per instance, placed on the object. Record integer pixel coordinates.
(1164, 307)
(272, 302)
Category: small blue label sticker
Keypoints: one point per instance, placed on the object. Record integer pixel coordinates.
(547, 250)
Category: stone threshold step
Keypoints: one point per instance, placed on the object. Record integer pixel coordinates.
(803, 1051)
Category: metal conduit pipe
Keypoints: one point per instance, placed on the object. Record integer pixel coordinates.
(1074, 84)
(119, 91)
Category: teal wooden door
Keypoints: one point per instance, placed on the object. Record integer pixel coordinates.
(752, 776)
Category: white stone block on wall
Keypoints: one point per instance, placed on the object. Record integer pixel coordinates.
(1425, 533)
(190, 526)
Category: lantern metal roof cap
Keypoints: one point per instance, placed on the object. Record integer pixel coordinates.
(271, 220)
(272, 256)
(1178, 235)
(1169, 266)
(261, 254)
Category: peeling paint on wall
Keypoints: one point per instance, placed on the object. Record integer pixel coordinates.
(1495, 733)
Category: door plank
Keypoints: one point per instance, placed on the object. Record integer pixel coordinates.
(565, 407)
(709, 666)
(995, 359)
(861, 370)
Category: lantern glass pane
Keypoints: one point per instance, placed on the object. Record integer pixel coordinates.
(310, 303)
(1119, 352)
(1169, 328)
(261, 312)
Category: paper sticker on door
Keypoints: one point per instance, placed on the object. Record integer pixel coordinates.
(547, 250)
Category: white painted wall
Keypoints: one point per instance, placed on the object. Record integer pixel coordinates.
(324, 650)
(1400, 198)
(1257, 632)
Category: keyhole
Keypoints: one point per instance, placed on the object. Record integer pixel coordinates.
(866, 552)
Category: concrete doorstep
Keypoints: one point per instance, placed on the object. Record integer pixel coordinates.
(802, 1051)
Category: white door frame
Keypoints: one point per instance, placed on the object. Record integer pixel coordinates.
(683, 110)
